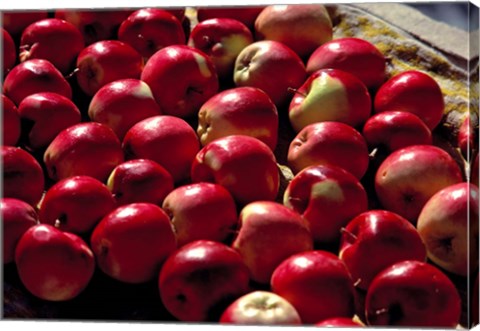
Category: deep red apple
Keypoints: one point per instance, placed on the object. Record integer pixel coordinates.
(17, 217)
(467, 137)
(331, 143)
(328, 197)
(90, 149)
(168, 140)
(9, 52)
(33, 76)
(15, 21)
(201, 211)
(244, 165)
(182, 78)
(339, 322)
(44, 115)
(412, 294)
(317, 284)
(201, 279)
(151, 29)
(23, 177)
(11, 128)
(242, 110)
(53, 265)
(121, 104)
(245, 14)
(43, 39)
(415, 92)
(140, 180)
(132, 242)
(76, 204)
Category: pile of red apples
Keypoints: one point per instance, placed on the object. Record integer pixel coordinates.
(147, 146)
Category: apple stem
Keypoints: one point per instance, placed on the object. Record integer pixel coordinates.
(57, 223)
(357, 282)
(73, 73)
(351, 235)
(373, 153)
(294, 90)
(381, 311)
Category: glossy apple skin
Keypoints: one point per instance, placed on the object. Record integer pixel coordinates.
(33, 76)
(330, 95)
(201, 211)
(47, 114)
(150, 29)
(76, 204)
(448, 224)
(317, 284)
(132, 242)
(140, 180)
(394, 130)
(53, 265)
(467, 138)
(43, 39)
(331, 143)
(17, 217)
(95, 25)
(182, 78)
(9, 52)
(222, 39)
(302, 27)
(199, 280)
(11, 128)
(328, 197)
(410, 176)
(121, 104)
(272, 67)
(23, 177)
(274, 230)
(340, 322)
(242, 110)
(245, 14)
(353, 55)
(90, 149)
(260, 308)
(413, 294)
(168, 140)
(412, 91)
(244, 165)
(378, 231)
(16, 21)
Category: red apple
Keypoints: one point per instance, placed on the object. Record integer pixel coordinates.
(268, 234)
(43, 39)
(150, 29)
(11, 128)
(201, 279)
(76, 204)
(302, 27)
(354, 55)
(33, 76)
(106, 61)
(140, 180)
(17, 217)
(23, 177)
(272, 67)
(448, 225)
(330, 95)
(394, 130)
(410, 176)
(467, 137)
(261, 308)
(121, 104)
(44, 115)
(182, 78)
(244, 165)
(328, 197)
(317, 284)
(201, 211)
(95, 25)
(9, 53)
(377, 231)
(222, 39)
(132, 242)
(15, 21)
(242, 110)
(415, 92)
(167, 140)
(331, 143)
(53, 265)
(90, 149)
(339, 322)
(412, 294)
(245, 14)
